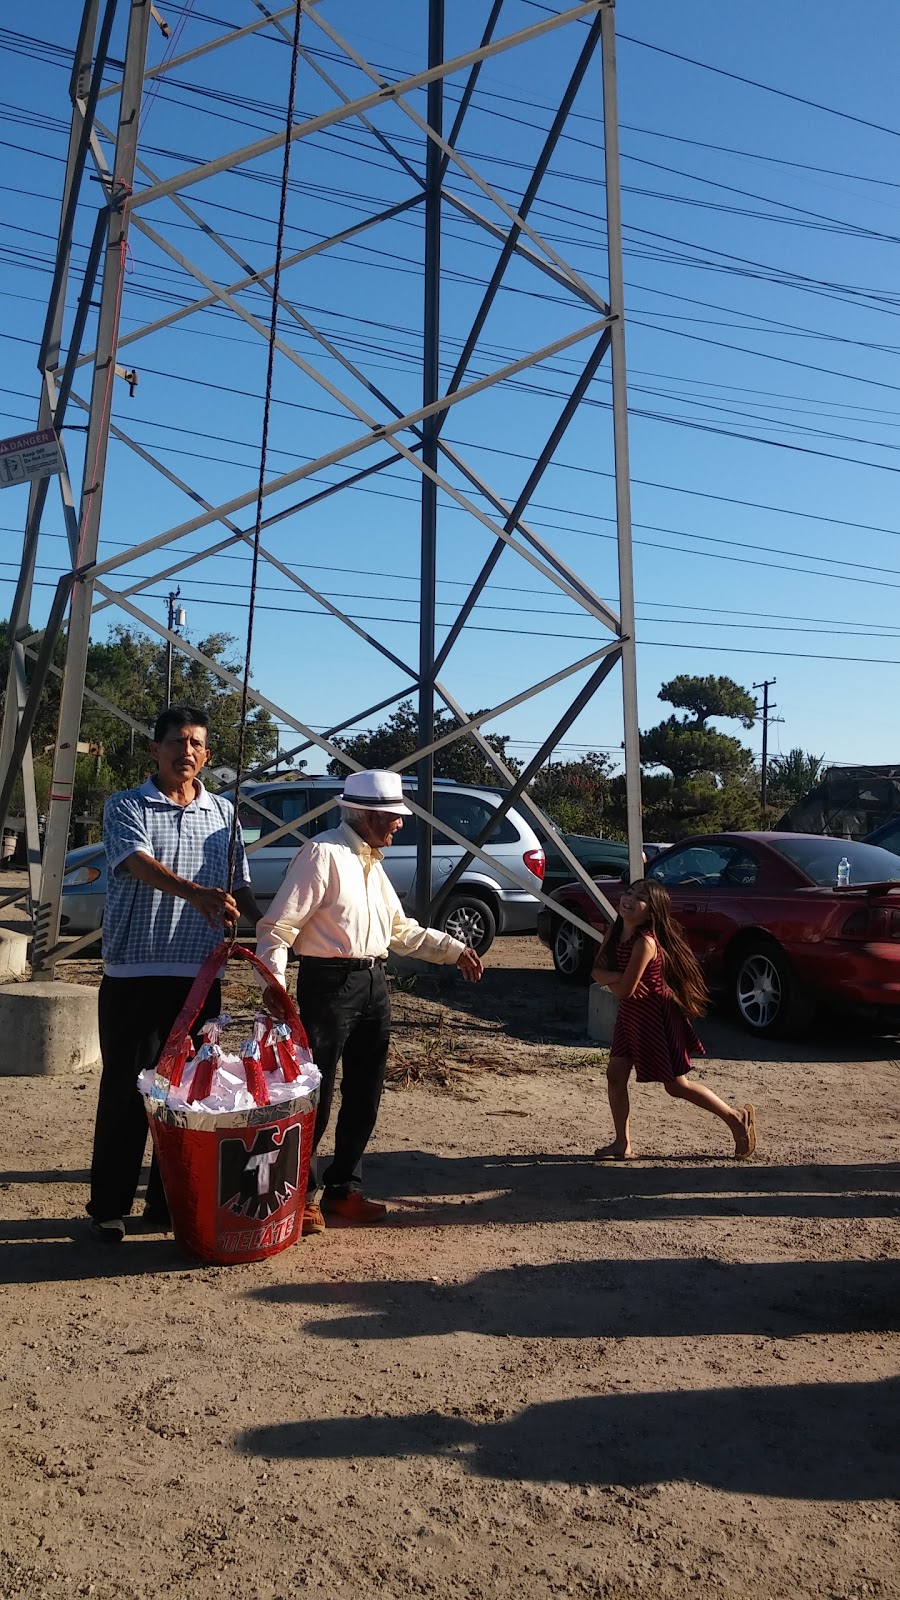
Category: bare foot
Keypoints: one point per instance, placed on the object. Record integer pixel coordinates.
(614, 1152)
(745, 1136)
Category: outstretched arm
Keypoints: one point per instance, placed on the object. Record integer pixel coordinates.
(429, 944)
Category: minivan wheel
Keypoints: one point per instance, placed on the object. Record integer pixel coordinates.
(467, 918)
(769, 998)
(573, 953)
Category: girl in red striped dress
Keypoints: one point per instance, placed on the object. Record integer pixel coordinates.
(647, 965)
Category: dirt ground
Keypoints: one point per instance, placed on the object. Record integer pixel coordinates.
(543, 1376)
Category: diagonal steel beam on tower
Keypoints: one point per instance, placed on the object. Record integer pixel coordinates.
(583, 699)
(514, 237)
(381, 96)
(464, 207)
(549, 145)
(525, 496)
(378, 433)
(468, 724)
(233, 36)
(451, 454)
(250, 278)
(238, 536)
(531, 190)
(397, 92)
(532, 809)
(465, 98)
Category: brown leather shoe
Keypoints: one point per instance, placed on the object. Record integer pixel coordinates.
(352, 1210)
(313, 1220)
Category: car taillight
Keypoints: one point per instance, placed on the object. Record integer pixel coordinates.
(872, 922)
(535, 861)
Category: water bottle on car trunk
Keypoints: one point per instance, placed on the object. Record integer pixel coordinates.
(843, 873)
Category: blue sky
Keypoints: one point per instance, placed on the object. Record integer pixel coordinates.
(760, 256)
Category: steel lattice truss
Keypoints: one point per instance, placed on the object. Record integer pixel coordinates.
(374, 431)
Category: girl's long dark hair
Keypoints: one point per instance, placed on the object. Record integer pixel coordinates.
(682, 972)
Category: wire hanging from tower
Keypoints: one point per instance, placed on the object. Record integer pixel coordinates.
(264, 445)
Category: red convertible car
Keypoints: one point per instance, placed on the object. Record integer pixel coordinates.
(767, 922)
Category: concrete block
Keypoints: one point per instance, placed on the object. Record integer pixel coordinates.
(602, 1009)
(13, 956)
(47, 1028)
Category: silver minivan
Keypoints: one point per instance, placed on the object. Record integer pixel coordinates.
(485, 901)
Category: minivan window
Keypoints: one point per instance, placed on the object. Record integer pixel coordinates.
(286, 805)
(469, 815)
(254, 826)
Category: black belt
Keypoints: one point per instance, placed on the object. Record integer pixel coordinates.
(352, 963)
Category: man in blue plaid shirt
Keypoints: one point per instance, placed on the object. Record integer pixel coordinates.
(167, 845)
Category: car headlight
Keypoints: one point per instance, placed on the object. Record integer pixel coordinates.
(79, 877)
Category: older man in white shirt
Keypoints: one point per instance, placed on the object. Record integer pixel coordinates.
(339, 911)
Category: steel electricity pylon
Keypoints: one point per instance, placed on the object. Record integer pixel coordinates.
(110, 174)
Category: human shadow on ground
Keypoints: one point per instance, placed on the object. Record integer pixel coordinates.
(685, 1297)
(532, 1004)
(61, 1250)
(50, 1175)
(806, 1441)
(466, 1191)
(430, 1191)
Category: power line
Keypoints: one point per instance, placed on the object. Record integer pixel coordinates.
(850, 627)
(543, 633)
(755, 83)
(806, 571)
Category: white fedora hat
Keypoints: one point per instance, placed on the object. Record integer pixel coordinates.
(374, 791)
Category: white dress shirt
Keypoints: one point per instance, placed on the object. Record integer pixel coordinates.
(337, 900)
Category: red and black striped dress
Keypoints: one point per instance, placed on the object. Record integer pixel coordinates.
(651, 1028)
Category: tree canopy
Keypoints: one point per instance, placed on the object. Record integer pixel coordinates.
(576, 794)
(713, 779)
(710, 697)
(398, 737)
(792, 776)
(686, 745)
(129, 670)
(693, 752)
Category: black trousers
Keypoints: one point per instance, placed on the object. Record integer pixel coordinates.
(346, 1013)
(135, 1017)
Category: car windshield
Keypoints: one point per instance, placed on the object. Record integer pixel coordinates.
(819, 859)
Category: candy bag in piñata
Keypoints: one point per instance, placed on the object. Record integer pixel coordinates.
(207, 1058)
(251, 1057)
(284, 1051)
(262, 1032)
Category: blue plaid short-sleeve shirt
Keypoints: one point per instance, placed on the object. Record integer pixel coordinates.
(147, 934)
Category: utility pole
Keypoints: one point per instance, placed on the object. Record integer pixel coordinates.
(766, 685)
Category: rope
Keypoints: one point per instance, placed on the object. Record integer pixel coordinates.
(267, 407)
